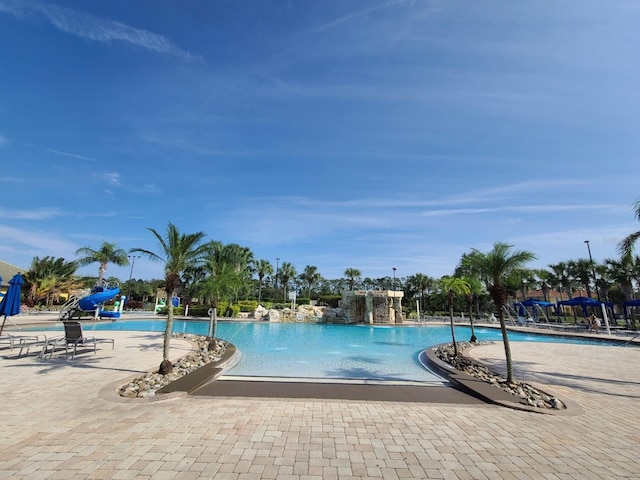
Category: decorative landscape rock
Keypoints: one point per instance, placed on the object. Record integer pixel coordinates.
(533, 396)
(148, 384)
(261, 313)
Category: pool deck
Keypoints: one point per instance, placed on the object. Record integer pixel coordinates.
(62, 419)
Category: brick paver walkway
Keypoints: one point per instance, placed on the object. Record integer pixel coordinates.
(61, 419)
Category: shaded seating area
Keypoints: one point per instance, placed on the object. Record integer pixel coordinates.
(74, 337)
(586, 303)
(528, 312)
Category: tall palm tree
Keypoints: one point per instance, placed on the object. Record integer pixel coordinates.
(352, 275)
(621, 272)
(581, 270)
(543, 280)
(310, 275)
(475, 289)
(263, 268)
(241, 259)
(495, 266)
(222, 277)
(626, 246)
(178, 251)
(454, 287)
(287, 272)
(563, 276)
(107, 253)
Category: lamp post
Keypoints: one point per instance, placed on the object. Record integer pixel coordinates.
(133, 262)
(393, 285)
(277, 268)
(595, 280)
(593, 271)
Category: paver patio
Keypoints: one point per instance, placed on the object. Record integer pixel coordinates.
(60, 418)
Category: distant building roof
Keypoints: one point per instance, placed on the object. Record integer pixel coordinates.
(8, 270)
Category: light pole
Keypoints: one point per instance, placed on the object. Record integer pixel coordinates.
(277, 268)
(595, 280)
(133, 262)
(593, 271)
(393, 285)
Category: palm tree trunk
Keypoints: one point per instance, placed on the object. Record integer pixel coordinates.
(473, 338)
(166, 366)
(498, 293)
(453, 330)
(213, 327)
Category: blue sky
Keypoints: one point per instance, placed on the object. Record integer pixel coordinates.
(365, 134)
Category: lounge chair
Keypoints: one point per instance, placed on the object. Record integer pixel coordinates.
(23, 342)
(73, 336)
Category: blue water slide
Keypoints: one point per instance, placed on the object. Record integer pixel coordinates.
(108, 314)
(98, 296)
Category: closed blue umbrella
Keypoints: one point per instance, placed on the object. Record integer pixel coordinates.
(11, 302)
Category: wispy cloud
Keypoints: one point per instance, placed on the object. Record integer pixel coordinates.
(541, 208)
(3, 140)
(357, 14)
(94, 28)
(72, 155)
(34, 214)
(110, 178)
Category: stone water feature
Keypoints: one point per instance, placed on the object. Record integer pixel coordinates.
(372, 306)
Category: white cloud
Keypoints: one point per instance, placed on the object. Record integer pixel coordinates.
(3, 140)
(94, 28)
(34, 214)
(35, 243)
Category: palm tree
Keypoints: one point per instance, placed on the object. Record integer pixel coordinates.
(220, 281)
(563, 277)
(107, 253)
(241, 259)
(263, 267)
(287, 272)
(581, 270)
(543, 279)
(475, 289)
(311, 276)
(452, 287)
(178, 251)
(352, 275)
(621, 272)
(495, 266)
(46, 277)
(625, 247)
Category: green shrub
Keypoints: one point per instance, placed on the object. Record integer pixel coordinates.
(177, 311)
(247, 305)
(224, 310)
(199, 310)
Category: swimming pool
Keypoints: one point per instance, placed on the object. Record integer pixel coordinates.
(362, 352)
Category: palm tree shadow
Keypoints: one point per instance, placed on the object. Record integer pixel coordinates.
(563, 379)
(81, 361)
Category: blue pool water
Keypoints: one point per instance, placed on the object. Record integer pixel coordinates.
(330, 351)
